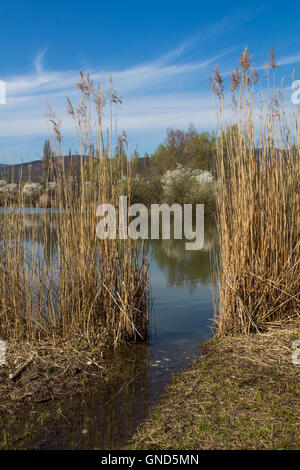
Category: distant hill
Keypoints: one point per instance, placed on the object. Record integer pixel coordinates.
(34, 171)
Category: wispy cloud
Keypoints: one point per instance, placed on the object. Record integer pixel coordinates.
(127, 80)
(150, 100)
(288, 60)
(38, 62)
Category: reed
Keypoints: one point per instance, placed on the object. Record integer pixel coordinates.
(57, 279)
(258, 169)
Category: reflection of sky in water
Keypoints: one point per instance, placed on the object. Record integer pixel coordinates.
(177, 311)
(182, 310)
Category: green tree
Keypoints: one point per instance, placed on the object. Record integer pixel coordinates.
(189, 148)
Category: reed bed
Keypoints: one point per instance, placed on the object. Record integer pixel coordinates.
(258, 169)
(57, 279)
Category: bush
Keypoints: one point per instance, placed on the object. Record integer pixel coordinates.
(187, 186)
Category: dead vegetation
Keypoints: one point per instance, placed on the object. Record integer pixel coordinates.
(73, 283)
(37, 373)
(258, 168)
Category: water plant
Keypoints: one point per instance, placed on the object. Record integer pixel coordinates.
(57, 279)
(258, 168)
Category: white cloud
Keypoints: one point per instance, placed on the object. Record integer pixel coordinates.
(288, 60)
(156, 106)
(146, 112)
(38, 62)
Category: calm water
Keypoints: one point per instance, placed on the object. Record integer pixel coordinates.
(104, 417)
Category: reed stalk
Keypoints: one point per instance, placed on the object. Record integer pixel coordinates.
(57, 279)
(258, 170)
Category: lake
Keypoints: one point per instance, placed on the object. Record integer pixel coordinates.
(105, 417)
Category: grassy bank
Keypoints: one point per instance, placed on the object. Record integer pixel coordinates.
(242, 394)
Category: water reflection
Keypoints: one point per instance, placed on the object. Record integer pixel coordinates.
(182, 267)
(102, 416)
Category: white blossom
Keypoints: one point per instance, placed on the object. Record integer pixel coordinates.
(202, 177)
(32, 189)
(11, 188)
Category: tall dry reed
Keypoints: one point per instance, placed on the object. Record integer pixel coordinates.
(258, 168)
(57, 279)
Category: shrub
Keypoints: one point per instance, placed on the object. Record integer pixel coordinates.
(187, 186)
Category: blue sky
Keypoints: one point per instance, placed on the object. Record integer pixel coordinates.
(160, 54)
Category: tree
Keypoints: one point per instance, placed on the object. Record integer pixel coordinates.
(47, 161)
(190, 149)
(135, 161)
(146, 160)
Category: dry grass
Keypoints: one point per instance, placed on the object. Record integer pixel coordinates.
(258, 168)
(242, 394)
(95, 288)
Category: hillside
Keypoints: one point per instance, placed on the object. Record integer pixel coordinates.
(33, 171)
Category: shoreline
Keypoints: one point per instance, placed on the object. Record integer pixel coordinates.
(242, 393)
(34, 374)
